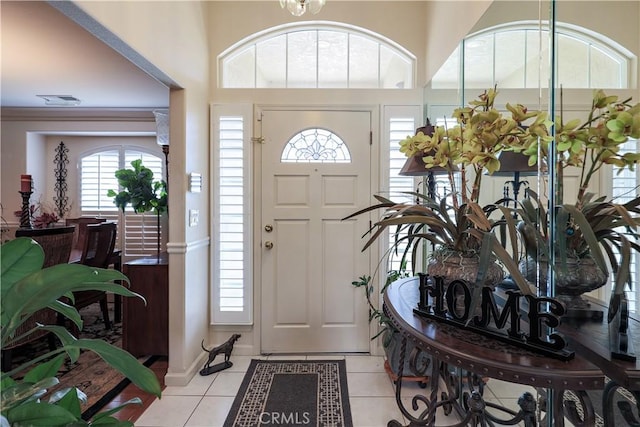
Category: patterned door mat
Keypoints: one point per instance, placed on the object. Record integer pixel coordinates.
(292, 393)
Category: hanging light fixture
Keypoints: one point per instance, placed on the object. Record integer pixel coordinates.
(299, 7)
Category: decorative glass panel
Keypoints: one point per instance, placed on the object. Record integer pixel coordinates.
(316, 146)
(606, 71)
(317, 56)
(333, 61)
(573, 62)
(271, 63)
(302, 58)
(240, 68)
(364, 62)
(510, 68)
(508, 54)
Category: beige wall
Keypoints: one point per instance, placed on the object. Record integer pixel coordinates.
(173, 37)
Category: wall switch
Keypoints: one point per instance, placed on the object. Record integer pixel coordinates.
(193, 217)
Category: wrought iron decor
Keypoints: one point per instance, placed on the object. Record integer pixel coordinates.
(61, 161)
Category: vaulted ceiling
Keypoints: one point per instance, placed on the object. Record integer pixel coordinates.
(46, 53)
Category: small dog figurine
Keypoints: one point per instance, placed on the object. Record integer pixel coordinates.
(225, 348)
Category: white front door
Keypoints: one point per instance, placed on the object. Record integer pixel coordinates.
(309, 255)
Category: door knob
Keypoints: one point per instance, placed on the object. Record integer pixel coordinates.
(268, 228)
(268, 244)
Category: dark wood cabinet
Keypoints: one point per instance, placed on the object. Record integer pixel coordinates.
(145, 328)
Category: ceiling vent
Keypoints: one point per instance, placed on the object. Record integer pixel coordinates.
(59, 99)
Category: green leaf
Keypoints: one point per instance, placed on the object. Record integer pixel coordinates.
(75, 393)
(19, 393)
(18, 258)
(123, 362)
(40, 414)
(39, 289)
(98, 419)
(71, 401)
(45, 370)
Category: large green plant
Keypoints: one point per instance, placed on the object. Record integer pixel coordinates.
(141, 191)
(25, 288)
(591, 225)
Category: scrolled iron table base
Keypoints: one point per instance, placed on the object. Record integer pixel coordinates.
(463, 393)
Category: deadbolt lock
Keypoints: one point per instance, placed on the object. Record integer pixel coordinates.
(268, 228)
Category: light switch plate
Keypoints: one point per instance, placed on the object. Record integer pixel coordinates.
(193, 217)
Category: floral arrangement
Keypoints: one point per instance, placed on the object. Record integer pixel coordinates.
(40, 215)
(475, 143)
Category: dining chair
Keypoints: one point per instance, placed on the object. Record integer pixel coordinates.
(98, 247)
(80, 233)
(56, 243)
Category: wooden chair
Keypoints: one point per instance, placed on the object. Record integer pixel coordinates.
(56, 243)
(99, 243)
(79, 236)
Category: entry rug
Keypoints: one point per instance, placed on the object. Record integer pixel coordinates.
(292, 393)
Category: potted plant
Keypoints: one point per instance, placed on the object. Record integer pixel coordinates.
(459, 228)
(391, 339)
(25, 288)
(590, 229)
(141, 191)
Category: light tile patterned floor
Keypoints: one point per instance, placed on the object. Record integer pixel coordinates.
(205, 401)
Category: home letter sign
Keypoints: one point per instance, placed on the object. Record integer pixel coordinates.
(530, 326)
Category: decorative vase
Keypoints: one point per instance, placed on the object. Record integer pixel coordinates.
(579, 276)
(456, 266)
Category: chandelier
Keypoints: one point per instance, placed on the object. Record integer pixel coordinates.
(299, 7)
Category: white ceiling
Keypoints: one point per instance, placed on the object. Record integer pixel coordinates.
(46, 53)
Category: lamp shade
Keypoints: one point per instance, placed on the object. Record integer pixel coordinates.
(162, 126)
(511, 162)
(414, 166)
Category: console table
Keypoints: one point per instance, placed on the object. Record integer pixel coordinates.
(473, 357)
(145, 328)
(592, 340)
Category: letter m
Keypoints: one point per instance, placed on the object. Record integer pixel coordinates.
(490, 310)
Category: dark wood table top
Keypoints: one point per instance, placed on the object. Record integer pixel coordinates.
(591, 339)
(483, 355)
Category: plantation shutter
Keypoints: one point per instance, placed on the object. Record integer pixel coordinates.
(141, 229)
(97, 176)
(399, 129)
(231, 204)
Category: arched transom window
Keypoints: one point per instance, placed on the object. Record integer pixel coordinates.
(316, 55)
(516, 55)
(315, 146)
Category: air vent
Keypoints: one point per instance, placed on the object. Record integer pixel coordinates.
(59, 99)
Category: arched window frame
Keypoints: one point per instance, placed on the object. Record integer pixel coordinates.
(250, 43)
(592, 39)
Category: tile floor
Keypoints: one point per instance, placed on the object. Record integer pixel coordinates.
(205, 401)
